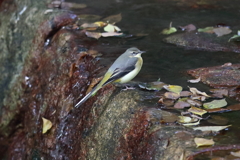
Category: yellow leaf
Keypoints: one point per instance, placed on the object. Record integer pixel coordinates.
(196, 91)
(100, 23)
(47, 124)
(191, 124)
(197, 111)
(169, 30)
(236, 154)
(111, 28)
(184, 119)
(173, 88)
(215, 104)
(203, 142)
(211, 128)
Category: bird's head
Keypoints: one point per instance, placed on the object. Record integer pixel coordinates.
(134, 52)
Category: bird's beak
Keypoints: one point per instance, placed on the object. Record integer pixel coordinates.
(141, 52)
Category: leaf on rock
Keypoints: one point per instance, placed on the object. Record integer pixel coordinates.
(111, 34)
(215, 104)
(194, 103)
(188, 28)
(195, 80)
(171, 95)
(95, 35)
(169, 30)
(220, 31)
(173, 88)
(203, 142)
(197, 111)
(113, 19)
(111, 28)
(211, 128)
(185, 94)
(206, 30)
(47, 124)
(100, 23)
(195, 91)
(181, 105)
(236, 154)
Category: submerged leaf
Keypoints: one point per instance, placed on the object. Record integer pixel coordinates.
(215, 104)
(113, 19)
(211, 128)
(152, 85)
(47, 124)
(203, 142)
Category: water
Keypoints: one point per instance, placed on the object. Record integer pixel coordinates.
(162, 60)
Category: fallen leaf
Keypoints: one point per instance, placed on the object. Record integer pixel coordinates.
(173, 88)
(235, 107)
(215, 104)
(220, 31)
(188, 28)
(218, 120)
(206, 30)
(47, 124)
(67, 5)
(89, 26)
(200, 98)
(197, 111)
(113, 19)
(235, 37)
(236, 154)
(111, 28)
(185, 94)
(195, 80)
(195, 91)
(100, 23)
(219, 93)
(184, 119)
(203, 142)
(158, 85)
(218, 110)
(171, 95)
(191, 124)
(169, 30)
(181, 105)
(95, 35)
(194, 103)
(211, 128)
(111, 34)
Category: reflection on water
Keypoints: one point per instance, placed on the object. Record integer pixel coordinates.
(162, 60)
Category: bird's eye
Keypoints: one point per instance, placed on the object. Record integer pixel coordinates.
(134, 53)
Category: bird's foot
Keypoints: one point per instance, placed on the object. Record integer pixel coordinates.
(128, 88)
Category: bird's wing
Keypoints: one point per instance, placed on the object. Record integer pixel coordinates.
(118, 73)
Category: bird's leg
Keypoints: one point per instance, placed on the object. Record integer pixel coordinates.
(128, 88)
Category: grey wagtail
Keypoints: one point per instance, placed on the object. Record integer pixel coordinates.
(123, 70)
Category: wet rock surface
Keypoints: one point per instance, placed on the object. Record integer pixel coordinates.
(203, 41)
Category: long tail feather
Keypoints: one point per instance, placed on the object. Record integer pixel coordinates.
(83, 99)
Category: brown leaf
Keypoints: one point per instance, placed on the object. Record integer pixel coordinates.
(220, 31)
(194, 103)
(197, 111)
(188, 28)
(235, 107)
(181, 105)
(171, 95)
(185, 94)
(95, 35)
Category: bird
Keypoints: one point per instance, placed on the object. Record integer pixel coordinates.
(123, 70)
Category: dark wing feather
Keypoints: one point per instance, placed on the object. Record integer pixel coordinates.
(118, 74)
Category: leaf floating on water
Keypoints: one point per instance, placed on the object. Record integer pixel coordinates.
(47, 124)
(184, 119)
(191, 124)
(185, 94)
(95, 35)
(173, 88)
(220, 31)
(169, 30)
(89, 26)
(194, 103)
(236, 154)
(215, 104)
(211, 128)
(111, 28)
(206, 30)
(235, 107)
(111, 34)
(203, 142)
(195, 80)
(196, 91)
(113, 19)
(197, 111)
(235, 37)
